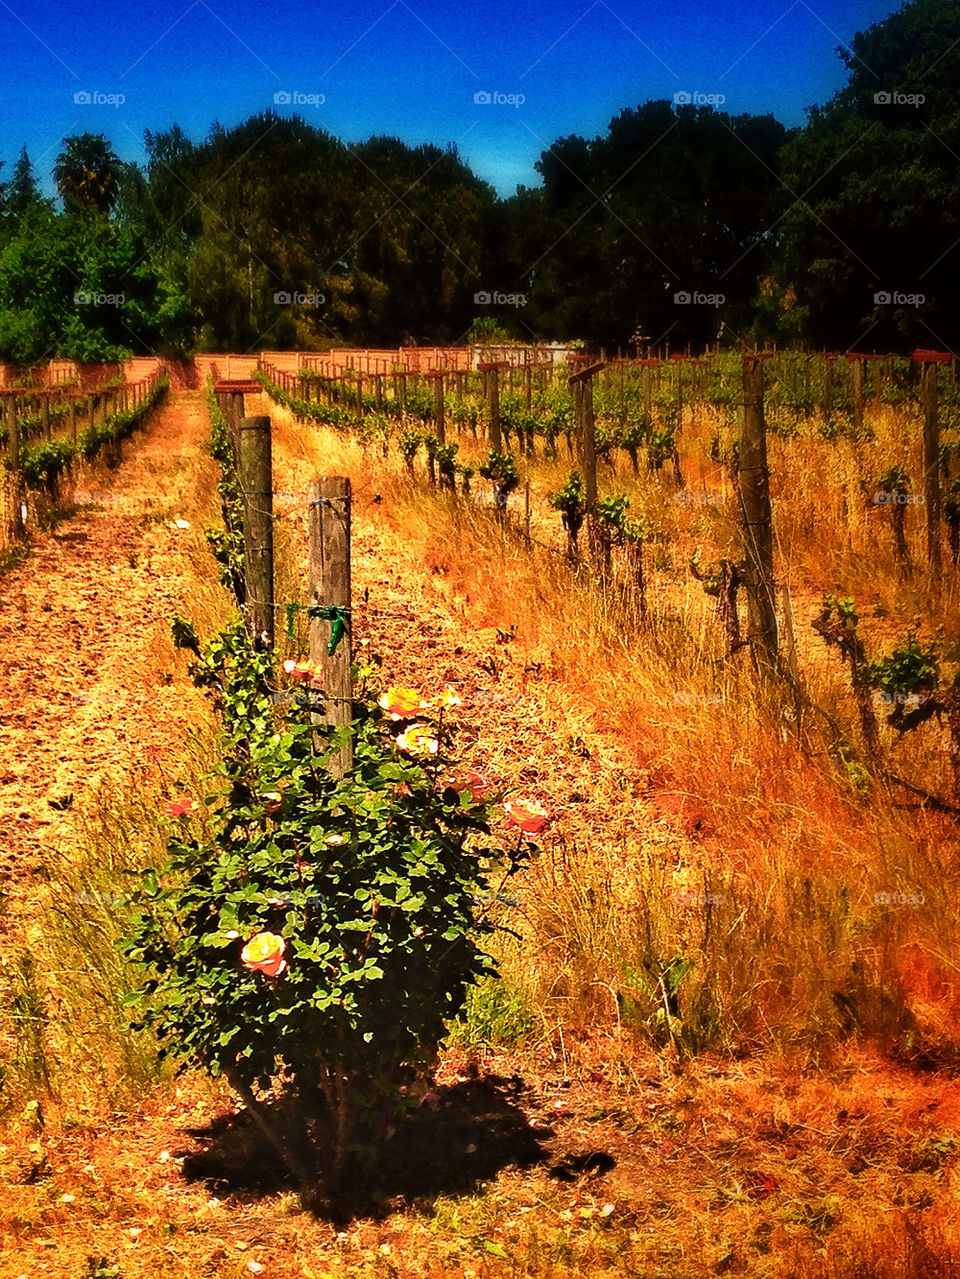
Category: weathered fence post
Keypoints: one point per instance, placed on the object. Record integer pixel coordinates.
(329, 523)
(440, 424)
(493, 408)
(256, 484)
(754, 483)
(931, 465)
(16, 475)
(856, 393)
(45, 414)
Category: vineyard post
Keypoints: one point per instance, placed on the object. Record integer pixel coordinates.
(256, 485)
(827, 386)
(45, 414)
(329, 521)
(73, 418)
(403, 392)
(378, 391)
(647, 393)
(931, 465)
(528, 385)
(581, 384)
(440, 425)
(526, 510)
(754, 482)
(360, 394)
(16, 475)
(856, 392)
(493, 408)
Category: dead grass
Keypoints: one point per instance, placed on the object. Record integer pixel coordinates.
(756, 1126)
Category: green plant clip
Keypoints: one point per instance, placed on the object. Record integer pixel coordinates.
(325, 612)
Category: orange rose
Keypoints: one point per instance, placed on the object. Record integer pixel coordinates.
(528, 816)
(264, 954)
(181, 807)
(402, 703)
(417, 741)
(303, 671)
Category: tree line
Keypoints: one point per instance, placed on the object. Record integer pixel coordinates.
(681, 223)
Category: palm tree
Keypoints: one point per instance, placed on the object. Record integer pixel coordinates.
(87, 172)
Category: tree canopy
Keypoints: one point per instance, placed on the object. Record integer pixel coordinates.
(680, 222)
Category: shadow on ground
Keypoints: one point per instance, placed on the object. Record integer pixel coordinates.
(469, 1134)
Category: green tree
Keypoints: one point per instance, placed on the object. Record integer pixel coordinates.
(87, 173)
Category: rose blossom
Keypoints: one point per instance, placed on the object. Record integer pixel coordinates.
(264, 954)
(416, 740)
(527, 815)
(402, 703)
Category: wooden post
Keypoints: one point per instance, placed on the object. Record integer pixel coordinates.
(256, 485)
(378, 392)
(329, 523)
(754, 481)
(16, 476)
(526, 510)
(493, 409)
(827, 406)
(931, 466)
(439, 421)
(588, 442)
(856, 393)
(45, 415)
(647, 388)
(73, 418)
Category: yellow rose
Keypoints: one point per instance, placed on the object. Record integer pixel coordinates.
(402, 703)
(417, 741)
(264, 954)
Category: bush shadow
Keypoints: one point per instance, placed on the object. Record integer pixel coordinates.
(460, 1136)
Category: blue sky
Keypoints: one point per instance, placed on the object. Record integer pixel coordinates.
(411, 68)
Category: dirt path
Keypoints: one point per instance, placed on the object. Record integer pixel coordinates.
(84, 631)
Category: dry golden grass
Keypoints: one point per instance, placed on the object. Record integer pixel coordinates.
(765, 1130)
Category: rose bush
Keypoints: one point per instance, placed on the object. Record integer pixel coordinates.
(315, 934)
